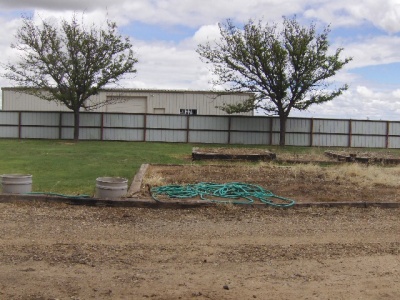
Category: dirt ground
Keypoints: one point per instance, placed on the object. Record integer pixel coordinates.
(309, 177)
(302, 183)
(59, 251)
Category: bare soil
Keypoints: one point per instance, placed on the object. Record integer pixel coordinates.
(56, 251)
(300, 183)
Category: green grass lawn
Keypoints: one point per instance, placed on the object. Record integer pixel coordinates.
(72, 168)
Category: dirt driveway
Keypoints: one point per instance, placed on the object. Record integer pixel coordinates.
(58, 251)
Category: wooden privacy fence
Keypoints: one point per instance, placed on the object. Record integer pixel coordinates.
(200, 129)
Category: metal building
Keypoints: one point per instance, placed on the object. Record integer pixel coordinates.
(141, 101)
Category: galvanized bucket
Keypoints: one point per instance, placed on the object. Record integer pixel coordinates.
(111, 187)
(16, 183)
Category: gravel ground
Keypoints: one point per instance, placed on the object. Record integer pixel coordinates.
(57, 251)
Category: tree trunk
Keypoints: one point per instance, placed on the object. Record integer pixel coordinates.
(282, 130)
(76, 125)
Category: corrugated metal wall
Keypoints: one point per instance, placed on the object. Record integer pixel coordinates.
(201, 129)
(14, 101)
(136, 101)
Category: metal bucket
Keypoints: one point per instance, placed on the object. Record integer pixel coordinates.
(111, 187)
(16, 183)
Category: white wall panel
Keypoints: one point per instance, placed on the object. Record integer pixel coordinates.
(394, 142)
(250, 124)
(161, 121)
(90, 119)
(89, 134)
(208, 137)
(331, 126)
(39, 133)
(67, 133)
(123, 134)
(250, 138)
(9, 132)
(365, 127)
(8, 118)
(158, 135)
(368, 141)
(292, 139)
(215, 123)
(394, 128)
(40, 118)
(298, 125)
(85, 119)
(330, 140)
(123, 120)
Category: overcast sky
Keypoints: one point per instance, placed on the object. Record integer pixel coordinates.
(165, 34)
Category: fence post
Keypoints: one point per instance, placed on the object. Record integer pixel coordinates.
(187, 128)
(387, 134)
(60, 126)
(144, 127)
(229, 129)
(270, 130)
(311, 132)
(102, 127)
(19, 124)
(350, 133)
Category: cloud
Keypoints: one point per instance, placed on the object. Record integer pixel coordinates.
(396, 93)
(359, 102)
(189, 12)
(57, 5)
(384, 14)
(365, 92)
(206, 33)
(9, 28)
(176, 65)
(373, 51)
(167, 66)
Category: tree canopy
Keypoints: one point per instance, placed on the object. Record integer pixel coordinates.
(68, 62)
(285, 69)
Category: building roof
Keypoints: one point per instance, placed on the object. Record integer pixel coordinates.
(154, 90)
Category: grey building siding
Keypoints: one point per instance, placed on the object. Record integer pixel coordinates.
(133, 101)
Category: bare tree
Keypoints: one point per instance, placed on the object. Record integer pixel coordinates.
(69, 62)
(285, 69)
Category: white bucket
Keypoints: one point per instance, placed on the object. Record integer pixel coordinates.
(111, 187)
(16, 183)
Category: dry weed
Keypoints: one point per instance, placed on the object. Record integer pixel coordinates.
(367, 175)
(362, 175)
(308, 170)
(314, 154)
(153, 180)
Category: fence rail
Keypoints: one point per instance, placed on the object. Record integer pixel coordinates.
(200, 129)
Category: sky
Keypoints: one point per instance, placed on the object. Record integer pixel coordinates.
(166, 33)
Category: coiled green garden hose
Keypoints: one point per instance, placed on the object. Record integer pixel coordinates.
(236, 192)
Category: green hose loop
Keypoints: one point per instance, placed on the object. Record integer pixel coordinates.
(235, 192)
(60, 195)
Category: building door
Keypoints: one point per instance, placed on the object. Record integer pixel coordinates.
(126, 104)
(159, 111)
